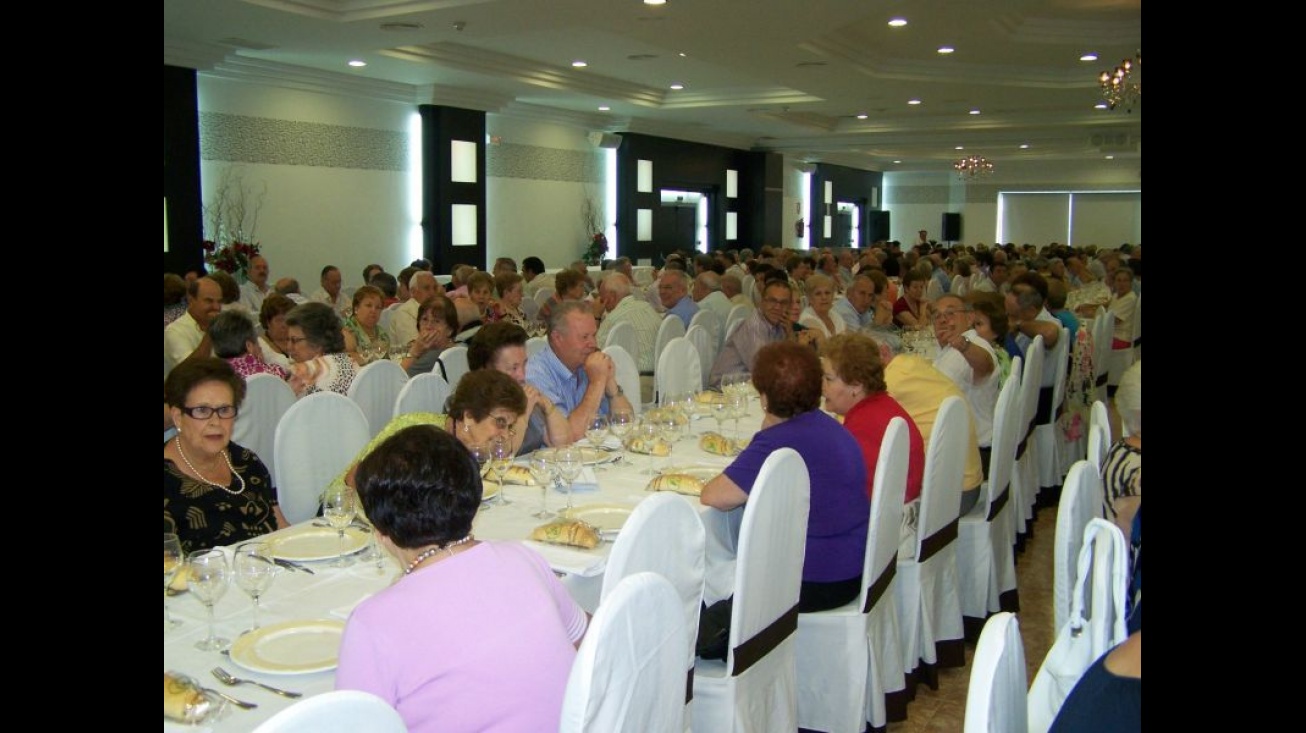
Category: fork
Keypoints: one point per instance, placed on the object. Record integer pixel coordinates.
(226, 678)
(238, 703)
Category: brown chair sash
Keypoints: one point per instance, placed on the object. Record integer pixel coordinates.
(937, 541)
(689, 686)
(996, 507)
(751, 651)
(881, 584)
(1101, 380)
(1043, 414)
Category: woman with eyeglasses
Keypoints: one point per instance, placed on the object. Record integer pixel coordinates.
(215, 491)
(317, 344)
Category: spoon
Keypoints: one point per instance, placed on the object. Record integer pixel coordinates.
(226, 678)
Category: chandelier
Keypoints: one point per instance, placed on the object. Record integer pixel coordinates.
(1123, 86)
(973, 166)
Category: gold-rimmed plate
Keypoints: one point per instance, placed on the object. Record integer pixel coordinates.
(290, 647)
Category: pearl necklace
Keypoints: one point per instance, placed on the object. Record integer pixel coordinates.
(193, 470)
(432, 550)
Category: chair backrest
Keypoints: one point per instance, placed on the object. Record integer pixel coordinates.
(705, 343)
(945, 457)
(629, 674)
(623, 335)
(543, 294)
(1002, 456)
(423, 393)
(1137, 335)
(772, 545)
(1099, 433)
(738, 315)
(1060, 364)
(267, 397)
(678, 369)
(1102, 330)
(663, 535)
(1030, 380)
(535, 344)
(748, 286)
(708, 318)
(888, 488)
(627, 376)
(671, 327)
(337, 711)
(316, 439)
(1081, 501)
(530, 307)
(995, 699)
(454, 359)
(375, 388)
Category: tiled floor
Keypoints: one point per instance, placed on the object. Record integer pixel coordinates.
(944, 711)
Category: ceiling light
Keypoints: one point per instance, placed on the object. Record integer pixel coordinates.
(579, 64)
(973, 166)
(946, 49)
(913, 101)
(682, 55)
(897, 162)
(960, 147)
(1024, 146)
(677, 86)
(604, 108)
(357, 63)
(655, 2)
(1110, 157)
(974, 111)
(897, 22)
(1088, 57)
(862, 116)
(1123, 85)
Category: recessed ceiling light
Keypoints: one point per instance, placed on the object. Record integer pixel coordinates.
(974, 111)
(897, 162)
(913, 101)
(1024, 146)
(677, 86)
(579, 64)
(946, 49)
(604, 108)
(897, 22)
(357, 62)
(655, 2)
(1090, 56)
(1110, 157)
(1100, 105)
(960, 147)
(682, 55)
(862, 116)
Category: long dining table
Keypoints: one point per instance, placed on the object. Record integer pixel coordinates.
(325, 596)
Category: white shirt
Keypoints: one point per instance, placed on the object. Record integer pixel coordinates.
(252, 298)
(180, 339)
(982, 396)
(717, 302)
(403, 324)
(342, 303)
(809, 318)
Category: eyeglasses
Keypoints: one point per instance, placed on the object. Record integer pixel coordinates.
(950, 313)
(504, 424)
(204, 412)
(772, 301)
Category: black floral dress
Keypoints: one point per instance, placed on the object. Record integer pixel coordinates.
(207, 516)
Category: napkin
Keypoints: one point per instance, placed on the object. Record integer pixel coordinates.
(587, 481)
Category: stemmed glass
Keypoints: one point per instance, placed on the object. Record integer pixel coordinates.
(339, 505)
(570, 461)
(481, 453)
(254, 570)
(596, 432)
(668, 428)
(721, 411)
(620, 423)
(545, 473)
(500, 458)
(738, 402)
(647, 432)
(208, 579)
(172, 562)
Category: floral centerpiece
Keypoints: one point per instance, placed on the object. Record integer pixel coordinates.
(231, 218)
(232, 257)
(591, 217)
(597, 249)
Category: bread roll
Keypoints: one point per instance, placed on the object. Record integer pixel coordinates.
(681, 483)
(518, 475)
(656, 447)
(183, 699)
(720, 445)
(572, 532)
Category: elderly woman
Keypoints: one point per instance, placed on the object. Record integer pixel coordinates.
(796, 330)
(911, 310)
(509, 305)
(235, 340)
(437, 322)
(471, 623)
(318, 348)
(787, 375)
(275, 340)
(502, 347)
(216, 492)
(1122, 467)
(568, 285)
(365, 340)
(819, 314)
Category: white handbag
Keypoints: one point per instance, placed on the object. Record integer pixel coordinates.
(1101, 584)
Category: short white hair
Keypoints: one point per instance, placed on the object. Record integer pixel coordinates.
(1129, 398)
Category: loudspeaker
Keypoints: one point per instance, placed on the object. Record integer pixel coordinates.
(605, 140)
(951, 228)
(878, 226)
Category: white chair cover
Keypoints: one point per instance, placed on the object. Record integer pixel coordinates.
(1099, 434)
(755, 688)
(986, 558)
(1102, 330)
(705, 344)
(623, 335)
(423, 393)
(848, 657)
(664, 535)
(629, 674)
(316, 439)
(627, 376)
(995, 700)
(1024, 479)
(929, 604)
(678, 369)
(535, 344)
(542, 294)
(1047, 434)
(738, 315)
(375, 388)
(267, 397)
(671, 327)
(386, 316)
(337, 711)
(454, 359)
(714, 324)
(1081, 501)
(1096, 623)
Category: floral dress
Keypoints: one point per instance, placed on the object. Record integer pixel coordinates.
(362, 339)
(329, 372)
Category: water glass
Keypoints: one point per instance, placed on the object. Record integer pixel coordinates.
(254, 570)
(173, 560)
(209, 576)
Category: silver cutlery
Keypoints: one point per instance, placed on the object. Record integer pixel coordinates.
(234, 701)
(292, 566)
(226, 678)
(355, 525)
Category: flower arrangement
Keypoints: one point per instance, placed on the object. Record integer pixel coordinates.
(591, 217)
(232, 257)
(597, 249)
(232, 217)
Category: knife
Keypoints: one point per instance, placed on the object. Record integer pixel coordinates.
(291, 566)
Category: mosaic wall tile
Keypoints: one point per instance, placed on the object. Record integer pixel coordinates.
(244, 139)
(509, 160)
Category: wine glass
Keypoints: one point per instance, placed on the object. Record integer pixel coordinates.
(500, 458)
(596, 432)
(339, 505)
(721, 411)
(208, 582)
(570, 461)
(254, 570)
(545, 473)
(481, 454)
(620, 423)
(668, 429)
(738, 403)
(646, 431)
(172, 563)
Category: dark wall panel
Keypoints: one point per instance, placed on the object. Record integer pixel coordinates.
(181, 171)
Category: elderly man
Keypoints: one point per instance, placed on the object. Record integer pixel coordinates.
(403, 324)
(189, 333)
(572, 372)
(969, 360)
(733, 288)
(1028, 317)
(707, 293)
(764, 325)
(616, 294)
(673, 293)
(257, 288)
(331, 293)
(857, 305)
(289, 287)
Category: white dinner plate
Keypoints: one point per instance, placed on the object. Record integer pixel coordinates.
(308, 543)
(700, 471)
(290, 647)
(593, 456)
(608, 519)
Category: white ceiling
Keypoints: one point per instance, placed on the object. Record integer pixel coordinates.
(778, 75)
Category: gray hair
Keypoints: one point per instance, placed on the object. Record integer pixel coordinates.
(616, 282)
(231, 331)
(709, 280)
(320, 324)
(558, 316)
